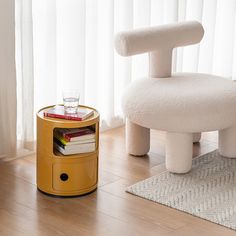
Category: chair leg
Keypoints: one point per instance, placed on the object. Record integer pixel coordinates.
(137, 139)
(227, 142)
(179, 151)
(196, 137)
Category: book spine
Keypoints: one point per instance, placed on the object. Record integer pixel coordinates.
(91, 140)
(59, 148)
(59, 143)
(77, 134)
(62, 116)
(84, 137)
(72, 118)
(60, 138)
(81, 149)
(54, 115)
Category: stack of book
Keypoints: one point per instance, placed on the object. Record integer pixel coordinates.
(74, 141)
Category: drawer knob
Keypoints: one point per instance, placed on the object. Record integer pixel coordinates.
(64, 177)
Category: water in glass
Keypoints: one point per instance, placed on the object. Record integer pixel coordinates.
(71, 104)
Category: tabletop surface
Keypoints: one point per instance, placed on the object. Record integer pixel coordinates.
(40, 114)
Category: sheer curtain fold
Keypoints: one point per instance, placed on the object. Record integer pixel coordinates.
(207, 45)
(224, 37)
(7, 80)
(91, 52)
(25, 75)
(72, 44)
(45, 52)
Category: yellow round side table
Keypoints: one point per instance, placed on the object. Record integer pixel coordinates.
(60, 175)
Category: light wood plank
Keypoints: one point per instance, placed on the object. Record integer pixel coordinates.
(109, 210)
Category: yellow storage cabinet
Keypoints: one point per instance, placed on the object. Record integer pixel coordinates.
(65, 175)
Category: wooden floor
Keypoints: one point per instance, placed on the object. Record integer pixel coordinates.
(109, 210)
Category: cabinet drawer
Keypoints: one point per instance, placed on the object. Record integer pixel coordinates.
(75, 176)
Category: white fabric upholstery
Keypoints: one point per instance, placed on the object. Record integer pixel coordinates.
(181, 104)
(159, 42)
(155, 38)
(184, 102)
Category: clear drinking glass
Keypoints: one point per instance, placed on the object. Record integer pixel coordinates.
(71, 100)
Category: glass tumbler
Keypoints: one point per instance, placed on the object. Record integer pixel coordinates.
(71, 100)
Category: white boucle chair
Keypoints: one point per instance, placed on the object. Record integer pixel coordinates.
(183, 104)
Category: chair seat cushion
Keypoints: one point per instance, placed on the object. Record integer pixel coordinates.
(185, 102)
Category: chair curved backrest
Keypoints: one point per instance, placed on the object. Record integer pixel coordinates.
(159, 42)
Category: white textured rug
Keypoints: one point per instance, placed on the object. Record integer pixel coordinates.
(207, 191)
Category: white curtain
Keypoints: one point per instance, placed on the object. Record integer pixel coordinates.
(7, 80)
(70, 43)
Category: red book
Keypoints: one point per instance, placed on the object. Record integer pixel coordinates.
(75, 134)
(59, 112)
